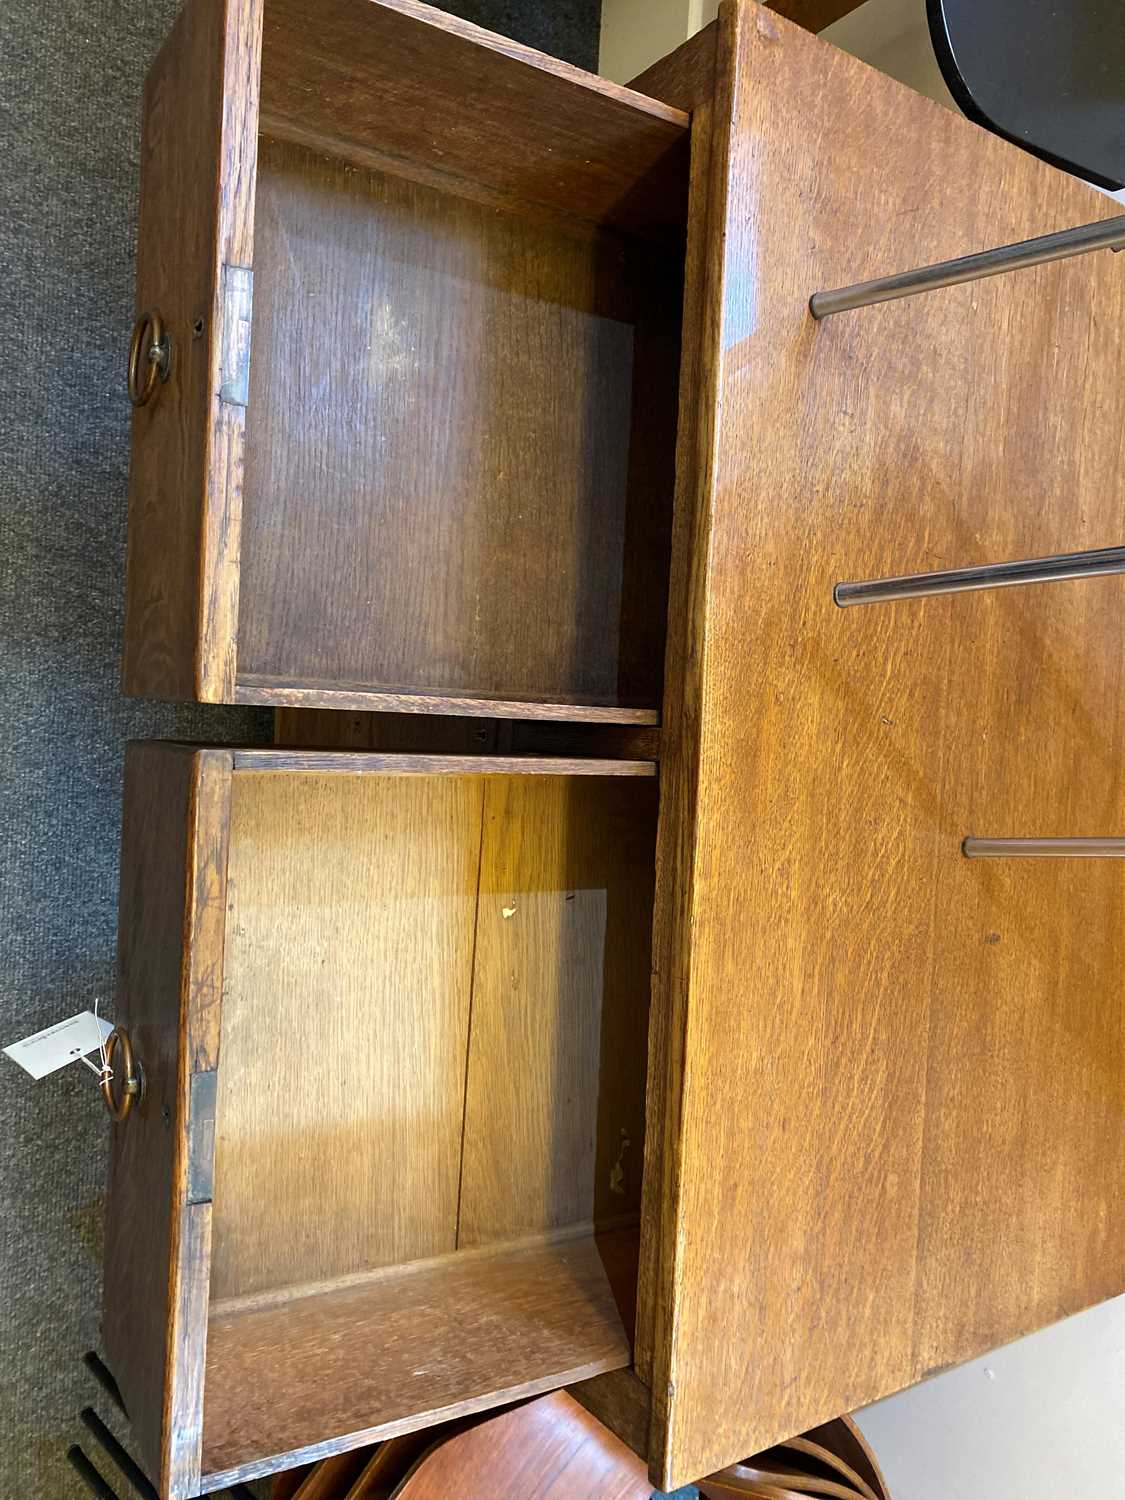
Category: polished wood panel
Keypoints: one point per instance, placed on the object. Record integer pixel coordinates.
(351, 919)
(196, 216)
(154, 1316)
(412, 1348)
(688, 77)
(517, 343)
(549, 1449)
(892, 1136)
(445, 100)
(554, 1108)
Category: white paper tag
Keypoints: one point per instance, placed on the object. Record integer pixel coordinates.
(63, 1043)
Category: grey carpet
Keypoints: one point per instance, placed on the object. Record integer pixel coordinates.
(70, 83)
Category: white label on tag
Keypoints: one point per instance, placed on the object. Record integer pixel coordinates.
(63, 1043)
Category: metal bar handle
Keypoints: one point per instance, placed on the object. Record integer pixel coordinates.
(1106, 234)
(1112, 848)
(988, 576)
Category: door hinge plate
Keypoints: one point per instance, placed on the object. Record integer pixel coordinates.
(237, 313)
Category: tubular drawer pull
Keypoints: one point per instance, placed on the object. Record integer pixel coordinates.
(987, 576)
(1111, 848)
(133, 1087)
(1108, 234)
(148, 362)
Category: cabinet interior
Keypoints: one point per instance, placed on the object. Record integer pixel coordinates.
(461, 430)
(431, 1098)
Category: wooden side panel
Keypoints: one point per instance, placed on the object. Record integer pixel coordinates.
(352, 904)
(170, 964)
(892, 1075)
(293, 1380)
(371, 560)
(198, 155)
(403, 84)
(688, 78)
(554, 1112)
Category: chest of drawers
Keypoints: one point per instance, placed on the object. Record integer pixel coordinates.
(536, 424)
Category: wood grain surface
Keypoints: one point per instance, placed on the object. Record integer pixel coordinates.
(154, 1315)
(293, 1378)
(892, 1124)
(690, 77)
(351, 917)
(400, 82)
(549, 1449)
(554, 1106)
(198, 154)
(344, 762)
(375, 561)
(269, 692)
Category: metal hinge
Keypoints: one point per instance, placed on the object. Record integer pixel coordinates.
(201, 1137)
(237, 313)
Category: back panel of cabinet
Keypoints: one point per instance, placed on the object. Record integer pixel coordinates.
(452, 485)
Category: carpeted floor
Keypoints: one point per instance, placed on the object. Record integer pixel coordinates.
(70, 83)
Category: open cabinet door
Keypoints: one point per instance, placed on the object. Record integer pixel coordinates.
(194, 258)
(888, 1079)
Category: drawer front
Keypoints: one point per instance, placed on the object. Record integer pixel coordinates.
(194, 253)
(892, 1117)
(173, 870)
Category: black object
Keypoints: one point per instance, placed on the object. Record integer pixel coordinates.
(1046, 74)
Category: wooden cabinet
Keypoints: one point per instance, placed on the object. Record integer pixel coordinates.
(415, 447)
(398, 1155)
(391, 1014)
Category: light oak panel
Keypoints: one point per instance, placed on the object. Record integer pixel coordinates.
(688, 78)
(351, 909)
(554, 1112)
(892, 1124)
(494, 1326)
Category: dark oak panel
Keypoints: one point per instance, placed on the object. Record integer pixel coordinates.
(169, 972)
(198, 152)
(445, 452)
(399, 84)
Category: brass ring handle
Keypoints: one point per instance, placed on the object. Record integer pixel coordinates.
(149, 360)
(133, 1086)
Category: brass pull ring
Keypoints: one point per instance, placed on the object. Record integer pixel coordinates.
(149, 359)
(133, 1086)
